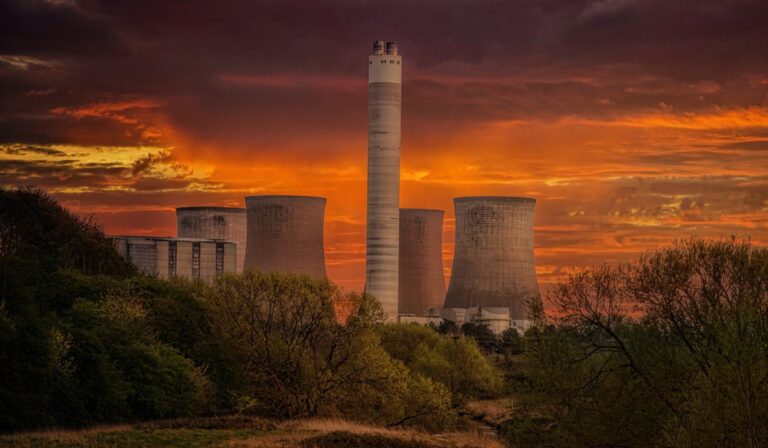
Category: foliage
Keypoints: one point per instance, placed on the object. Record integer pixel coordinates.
(301, 362)
(481, 334)
(510, 342)
(652, 353)
(75, 347)
(455, 363)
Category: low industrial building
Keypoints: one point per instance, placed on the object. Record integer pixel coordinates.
(190, 258)
(433, 319)
(497, 319)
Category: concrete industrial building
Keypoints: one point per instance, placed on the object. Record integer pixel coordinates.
(421, 282)
(493, 263)
(225, 223)
(497, 319)
(383, 212)
(285, 234)
(190, 258)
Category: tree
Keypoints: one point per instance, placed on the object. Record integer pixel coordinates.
(654, 352)
(301, 362)
(456, 363)
(510, 342)
(482, 334)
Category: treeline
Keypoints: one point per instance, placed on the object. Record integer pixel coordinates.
(85, 339)
(669, 351)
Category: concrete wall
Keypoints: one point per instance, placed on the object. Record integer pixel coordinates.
(140, 251)
(152, 256)
(161, 267)
(221, 223)
(207, 261)
(184, 259)
(493, 262)
(421, 282)
(285, 234)
(383, 206)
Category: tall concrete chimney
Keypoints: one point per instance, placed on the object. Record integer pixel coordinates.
(422, 282)
(383, 212)
(493, 264)
(285, 234)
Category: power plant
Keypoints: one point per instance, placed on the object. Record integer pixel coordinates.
(383, 207)
(493, 264)
(226, 223)
(422, 282)
(285, 234)
(493, 274)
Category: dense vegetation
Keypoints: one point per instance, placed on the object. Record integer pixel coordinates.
(670, 351)
(85, 339)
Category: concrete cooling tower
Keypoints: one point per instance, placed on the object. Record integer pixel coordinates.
(493, 263)
(383, 212)
(422, 283)
(285, 234)
(219, 223)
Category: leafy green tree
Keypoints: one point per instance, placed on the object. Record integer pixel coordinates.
(482, 334)
(510, 342)
(301, 362)
(654, 352)
(456, 363)
(47, 255)
(142, 377)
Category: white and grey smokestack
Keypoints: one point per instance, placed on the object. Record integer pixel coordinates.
(383, 212)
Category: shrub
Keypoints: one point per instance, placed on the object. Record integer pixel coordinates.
(457, 364)
(301, 362)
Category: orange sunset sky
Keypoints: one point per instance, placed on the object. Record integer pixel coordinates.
(631, 122)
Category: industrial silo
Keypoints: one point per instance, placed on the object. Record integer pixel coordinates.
(220, 223)
(422, 283)
(493, 263)
(285, 234)
(383, 200)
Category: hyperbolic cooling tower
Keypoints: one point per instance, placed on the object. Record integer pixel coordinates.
(221, 223)
(383, 212)
(285, 234)
(493, 261)
(422, 283)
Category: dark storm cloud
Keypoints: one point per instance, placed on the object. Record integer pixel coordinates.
(546, 59)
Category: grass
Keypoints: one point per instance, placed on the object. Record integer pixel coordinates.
(128, 438)
(246, 433)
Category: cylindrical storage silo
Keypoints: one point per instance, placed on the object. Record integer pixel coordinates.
(493, 262)
(285, 234)
(422, 283)
(220, 223)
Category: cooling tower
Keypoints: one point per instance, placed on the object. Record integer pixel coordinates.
(421, 284)
(220, 223)
(383, 212)
(493, 263)
(285, 234)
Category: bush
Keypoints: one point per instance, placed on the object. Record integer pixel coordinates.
(301, 362)
(457, 364)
